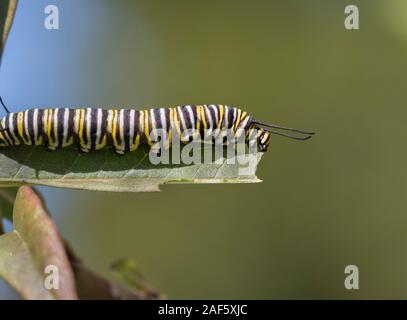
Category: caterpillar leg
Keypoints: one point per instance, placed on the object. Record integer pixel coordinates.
(119, 152)
(48, 146)
(82, 149)
(48, 149)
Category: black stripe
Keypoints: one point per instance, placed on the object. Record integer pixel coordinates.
(9, 118)
(15, 122)
(118, 139)
(41, 125)
(93, 128)
(195, 113)
(249, 122)
(230, 117)
(44, 131)
(126, 129)
(187, 118)
(60, 126)
(85, 127)
(6, 133)
(26, 138)
(30, 127)
(53, 133)
(157, 116)
(136, 125)
(3, 141)
(167, 119)
(70, 124)
(109, 137)
(213, 117)
(104, 125)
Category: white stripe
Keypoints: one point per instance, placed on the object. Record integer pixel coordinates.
(141, 122)
(99, 127)
(66, 125)
(209, 117)
(163, 120)
(191, 116)
(121, 121)
(234, 116)
(109, 121)
(88, 125)
(26, 126)
(153, 122)
(181, 116)
(244, 122)
(35, 125)
(131, 126)
(56, 111)
(226, 117)
(215, 110)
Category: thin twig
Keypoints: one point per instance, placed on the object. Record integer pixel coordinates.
(8, 21)
(9, 11)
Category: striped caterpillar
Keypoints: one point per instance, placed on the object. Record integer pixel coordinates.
(126, 129)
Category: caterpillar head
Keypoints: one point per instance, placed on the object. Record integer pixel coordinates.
(263, 139)
(263, 134)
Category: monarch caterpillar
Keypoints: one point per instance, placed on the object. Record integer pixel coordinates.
(126, 129)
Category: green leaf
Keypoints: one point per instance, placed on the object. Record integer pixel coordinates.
(33, 245)
(105, 171)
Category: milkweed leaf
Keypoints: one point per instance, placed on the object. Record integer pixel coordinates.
(105, 171)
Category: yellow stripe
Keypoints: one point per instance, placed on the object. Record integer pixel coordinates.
(141, 122)
(3, 138)
(198, 120)
(146, 127)
(137, 142)
(5, 134)
(176, 120)
(239, 112)
(203, 117)
(68, 142)
(243, 116)
(109, 126)
(56, 129)
(20, 126)
(103, 143)
(49, 126)
(134, 146)
(170, 128)
(121, 128)
(114, 128)
(76, 121)
(265, 137)
(45, 121)
(221, 113)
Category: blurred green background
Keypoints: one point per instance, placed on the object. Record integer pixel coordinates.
(336, 200)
